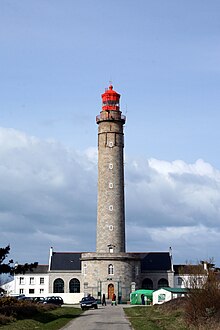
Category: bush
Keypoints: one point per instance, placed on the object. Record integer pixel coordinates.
(18, 309)
(7, 301)
(5, 319)
(203, 304)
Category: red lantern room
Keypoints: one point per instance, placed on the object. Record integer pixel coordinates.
(110, 100)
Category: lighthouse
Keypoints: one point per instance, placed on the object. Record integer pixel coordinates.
(110, 270)
(110, 205)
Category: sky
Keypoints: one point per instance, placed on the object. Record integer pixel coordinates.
(56, 59)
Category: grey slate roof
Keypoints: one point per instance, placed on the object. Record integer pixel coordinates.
(150, 261)
(155, 261)
(66, 261)
(177, 268)
(40, 269)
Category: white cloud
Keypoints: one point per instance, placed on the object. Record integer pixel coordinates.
(175, 204)
(44, 188)
(48, 198)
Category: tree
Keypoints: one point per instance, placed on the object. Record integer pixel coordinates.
(203, 301)
(10, 267)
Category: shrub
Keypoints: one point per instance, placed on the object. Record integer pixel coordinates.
(203, 304)
(10, 307)
(5, 319)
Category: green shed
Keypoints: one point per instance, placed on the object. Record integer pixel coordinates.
(135, 297)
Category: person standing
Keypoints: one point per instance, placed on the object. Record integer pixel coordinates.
(103, 300)
(114, 299)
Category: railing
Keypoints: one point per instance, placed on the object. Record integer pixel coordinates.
(100, 118)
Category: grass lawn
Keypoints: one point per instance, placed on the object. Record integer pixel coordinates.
(154, 318)
(51, 320)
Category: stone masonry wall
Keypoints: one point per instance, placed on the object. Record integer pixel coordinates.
(110, 212)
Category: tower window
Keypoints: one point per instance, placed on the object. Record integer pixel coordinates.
(110, 269)
(110, 166)
(85, 269)
(110, 144)
(110, 208)
(110, 185)
(110, 227)
(111, 249)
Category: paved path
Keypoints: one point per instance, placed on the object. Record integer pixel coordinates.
(104, 318)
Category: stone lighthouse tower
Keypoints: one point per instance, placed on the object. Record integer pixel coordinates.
(110, 270)
(110, 210)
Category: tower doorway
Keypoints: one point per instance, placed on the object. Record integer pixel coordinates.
(111, 291)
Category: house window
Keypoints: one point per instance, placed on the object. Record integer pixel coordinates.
(41, 280)
(31, 280)
(58, 286)
(41, 291)
(179, 281)
(31, 291)
(161, 297)
(110, 269)
(21, 280)
(21, 291)
(74, 285)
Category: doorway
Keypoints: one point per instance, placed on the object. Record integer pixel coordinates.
(111, 291)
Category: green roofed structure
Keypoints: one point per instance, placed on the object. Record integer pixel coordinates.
(136, 297)
(165, 294)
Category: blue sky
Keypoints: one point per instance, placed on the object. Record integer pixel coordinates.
(56, 59)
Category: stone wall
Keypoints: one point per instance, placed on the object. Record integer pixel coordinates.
(110, 208)
(105, 270)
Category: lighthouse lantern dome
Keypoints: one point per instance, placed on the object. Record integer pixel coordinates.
(110, 100)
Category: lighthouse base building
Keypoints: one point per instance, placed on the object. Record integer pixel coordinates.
(98, 274)
(110, 270)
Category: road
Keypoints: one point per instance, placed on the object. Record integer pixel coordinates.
(104, 318)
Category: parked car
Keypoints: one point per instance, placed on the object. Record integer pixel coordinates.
(56, 300)
(26, 298)
(38, 299)
(18, 296)
(88, 302)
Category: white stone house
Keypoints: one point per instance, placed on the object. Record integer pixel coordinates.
(34, 283)
(190, 276)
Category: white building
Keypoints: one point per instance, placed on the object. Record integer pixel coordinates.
(165, 294)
